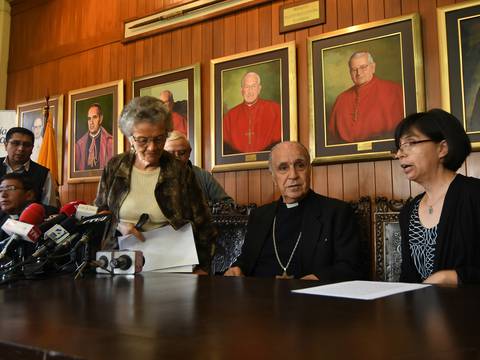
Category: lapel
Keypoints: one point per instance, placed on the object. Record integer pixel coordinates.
(262, 227)
(312, 225)
(167, 172)
(445, 222)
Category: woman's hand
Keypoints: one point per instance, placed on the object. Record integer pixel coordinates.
(199, 271)
(233, 271)
(129, 228)
(444, 277)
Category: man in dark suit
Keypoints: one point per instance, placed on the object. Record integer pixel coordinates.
(303, 234)
(19, 145)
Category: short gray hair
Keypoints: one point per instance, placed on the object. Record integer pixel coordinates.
(259, 81)
(361, 53)
(144, 109)
(177, 135)
(299, 144)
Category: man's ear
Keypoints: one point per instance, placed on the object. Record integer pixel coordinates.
(373, 67)
(29, 195)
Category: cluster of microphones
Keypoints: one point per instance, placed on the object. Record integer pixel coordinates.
(64, 243)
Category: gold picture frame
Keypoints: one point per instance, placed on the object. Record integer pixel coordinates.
(28, 112)
(459, 46)
(274, 67)
(107, 98)
(396, 48)
(185, 86)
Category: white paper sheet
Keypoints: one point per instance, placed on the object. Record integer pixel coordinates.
(164, 248)
(176, 269)
(363, 290)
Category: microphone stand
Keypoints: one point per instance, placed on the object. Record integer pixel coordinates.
(86, 260)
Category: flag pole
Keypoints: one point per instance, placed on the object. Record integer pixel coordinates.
(46, 110)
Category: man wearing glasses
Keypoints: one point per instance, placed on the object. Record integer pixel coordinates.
(370, 109)
(303, 234)
(19, 145)
(16, 192)
(178, 145)
(95, 147)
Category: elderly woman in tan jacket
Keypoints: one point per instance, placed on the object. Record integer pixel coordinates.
(149, 180)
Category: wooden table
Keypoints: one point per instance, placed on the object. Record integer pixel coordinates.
(172, 316)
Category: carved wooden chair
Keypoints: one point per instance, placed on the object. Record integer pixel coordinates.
(231, 222)
(388, 252)
(363, 210)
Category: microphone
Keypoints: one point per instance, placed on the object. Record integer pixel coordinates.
(25, 228)
(88, 228)
(141, 221)
(85, 211)
(33, 214)
(56, 234)
(67, 210)
(71, 207)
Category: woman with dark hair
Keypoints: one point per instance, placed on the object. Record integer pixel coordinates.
(149, 180)
(440, 228)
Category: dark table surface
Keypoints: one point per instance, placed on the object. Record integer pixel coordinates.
(174, 316)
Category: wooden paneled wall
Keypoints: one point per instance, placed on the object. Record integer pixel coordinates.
(61, 45)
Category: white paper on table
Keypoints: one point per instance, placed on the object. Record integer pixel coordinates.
(164, 248)
(177, 269)
(362, 290)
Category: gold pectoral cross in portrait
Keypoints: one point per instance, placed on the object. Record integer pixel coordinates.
(249, 133)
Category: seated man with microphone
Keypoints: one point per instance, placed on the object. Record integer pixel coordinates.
(16, 192)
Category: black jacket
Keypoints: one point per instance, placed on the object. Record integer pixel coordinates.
(458, 233)
(329, 247)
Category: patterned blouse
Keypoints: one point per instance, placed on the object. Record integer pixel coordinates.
(422, 243)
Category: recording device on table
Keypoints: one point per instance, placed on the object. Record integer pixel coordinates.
(67, 242)
(119, 262)
(122, 261)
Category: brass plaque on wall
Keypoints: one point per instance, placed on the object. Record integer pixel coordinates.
(302, 14)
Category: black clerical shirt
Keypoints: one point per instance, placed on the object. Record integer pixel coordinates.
(287, 228)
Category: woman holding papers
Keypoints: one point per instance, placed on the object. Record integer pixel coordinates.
(440, 227)
(148, 180)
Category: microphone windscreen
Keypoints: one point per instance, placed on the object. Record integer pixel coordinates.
(69, 224)
(33, 214)
(70, 208)
(51, 221)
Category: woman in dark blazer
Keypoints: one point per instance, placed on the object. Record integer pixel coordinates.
(440, 227)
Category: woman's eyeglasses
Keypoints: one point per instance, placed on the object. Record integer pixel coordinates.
(408, 145)
(143, 140)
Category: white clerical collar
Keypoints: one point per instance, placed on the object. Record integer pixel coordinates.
(95, 135)
(292, 205)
